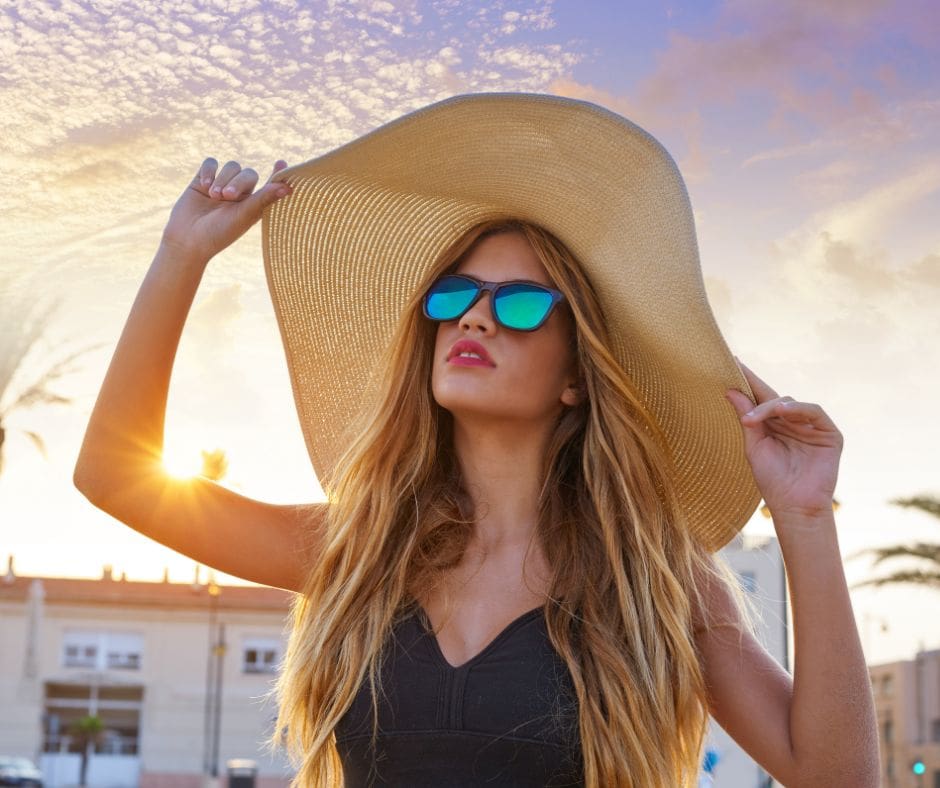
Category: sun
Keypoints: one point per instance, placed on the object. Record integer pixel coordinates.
(182, 461)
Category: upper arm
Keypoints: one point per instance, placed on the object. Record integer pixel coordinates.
(266, 543)
(749, 693)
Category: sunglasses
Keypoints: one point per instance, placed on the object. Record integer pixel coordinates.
(521, 306)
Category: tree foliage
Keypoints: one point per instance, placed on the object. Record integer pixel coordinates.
(24, 320)
(87, 731)
(924, 555)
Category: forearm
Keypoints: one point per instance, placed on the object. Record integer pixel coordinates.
(832, 717)
(125, 431)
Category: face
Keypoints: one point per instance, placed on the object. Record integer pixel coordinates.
(524, 376)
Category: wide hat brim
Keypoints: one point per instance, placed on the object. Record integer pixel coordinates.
(347, 249)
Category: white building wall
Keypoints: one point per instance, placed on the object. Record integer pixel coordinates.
(20, 694)
(760, 565)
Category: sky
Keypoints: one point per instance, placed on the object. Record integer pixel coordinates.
(807, 134)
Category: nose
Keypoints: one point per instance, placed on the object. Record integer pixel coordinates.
(479, 316)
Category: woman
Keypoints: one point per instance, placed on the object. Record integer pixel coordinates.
(532, 436)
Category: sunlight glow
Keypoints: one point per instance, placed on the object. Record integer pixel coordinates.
(182, 462)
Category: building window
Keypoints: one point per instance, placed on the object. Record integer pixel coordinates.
(118, 708)
(936, 779)
(888, 731)
(80, 655)
(261, 655)
(887, 685)
(102, 650)
(935, 731)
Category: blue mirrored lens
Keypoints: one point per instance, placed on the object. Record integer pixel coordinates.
(449, 298)
(522, 306)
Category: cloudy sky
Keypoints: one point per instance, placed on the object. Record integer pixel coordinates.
(807, 133)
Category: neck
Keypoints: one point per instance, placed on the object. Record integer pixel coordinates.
(502, 468)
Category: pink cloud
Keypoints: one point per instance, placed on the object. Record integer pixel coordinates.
(809, 59)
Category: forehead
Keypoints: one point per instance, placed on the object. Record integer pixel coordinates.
(502, 257)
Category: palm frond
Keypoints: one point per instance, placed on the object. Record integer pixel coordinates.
(912, 576)
(36, 394)
(926, 551)
(25, 321)
(926, 503)
(38, 441)
(39, 393)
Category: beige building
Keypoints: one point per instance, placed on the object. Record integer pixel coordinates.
(907, 702)
(177, 703)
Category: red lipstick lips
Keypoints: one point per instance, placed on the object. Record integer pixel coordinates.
(467, 353)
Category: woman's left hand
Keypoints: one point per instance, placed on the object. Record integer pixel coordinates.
(793, 448)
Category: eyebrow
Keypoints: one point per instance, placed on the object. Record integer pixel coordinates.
(503, 281)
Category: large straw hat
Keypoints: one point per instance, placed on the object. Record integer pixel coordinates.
(345, 251)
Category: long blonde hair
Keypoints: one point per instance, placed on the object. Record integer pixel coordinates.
(398, 519)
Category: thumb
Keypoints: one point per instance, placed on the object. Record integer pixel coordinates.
(253, 206)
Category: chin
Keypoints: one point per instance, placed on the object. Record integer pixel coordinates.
(498, 409)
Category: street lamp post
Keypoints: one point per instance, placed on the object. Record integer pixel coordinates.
(219, 654)
(213, 686)
(214, 468)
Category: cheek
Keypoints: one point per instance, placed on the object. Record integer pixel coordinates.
(440, 350)
(544, 368)
(445, 336)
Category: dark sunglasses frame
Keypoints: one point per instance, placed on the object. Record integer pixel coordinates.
(493, 289)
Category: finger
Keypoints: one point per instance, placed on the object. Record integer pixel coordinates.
(768, 409)
(762, 391)
(243, 183)
(229, 170)
(280, 188)
(279, 165)
(205, 174)
(806, 412)
(253, 205)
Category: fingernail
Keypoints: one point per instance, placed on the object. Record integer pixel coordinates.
(229, 190)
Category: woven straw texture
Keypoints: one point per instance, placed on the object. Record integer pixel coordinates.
(345, 251)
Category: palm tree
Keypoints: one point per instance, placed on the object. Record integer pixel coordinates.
(22, 325)
(87, 731)
(927, 554)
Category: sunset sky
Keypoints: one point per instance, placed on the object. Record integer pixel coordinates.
(808, 134)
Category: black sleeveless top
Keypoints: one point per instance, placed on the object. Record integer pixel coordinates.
(507, 717)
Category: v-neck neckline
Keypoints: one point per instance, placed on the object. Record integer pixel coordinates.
(424, 620)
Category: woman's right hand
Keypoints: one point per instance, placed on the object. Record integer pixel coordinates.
(119, 468)
(217, 208)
